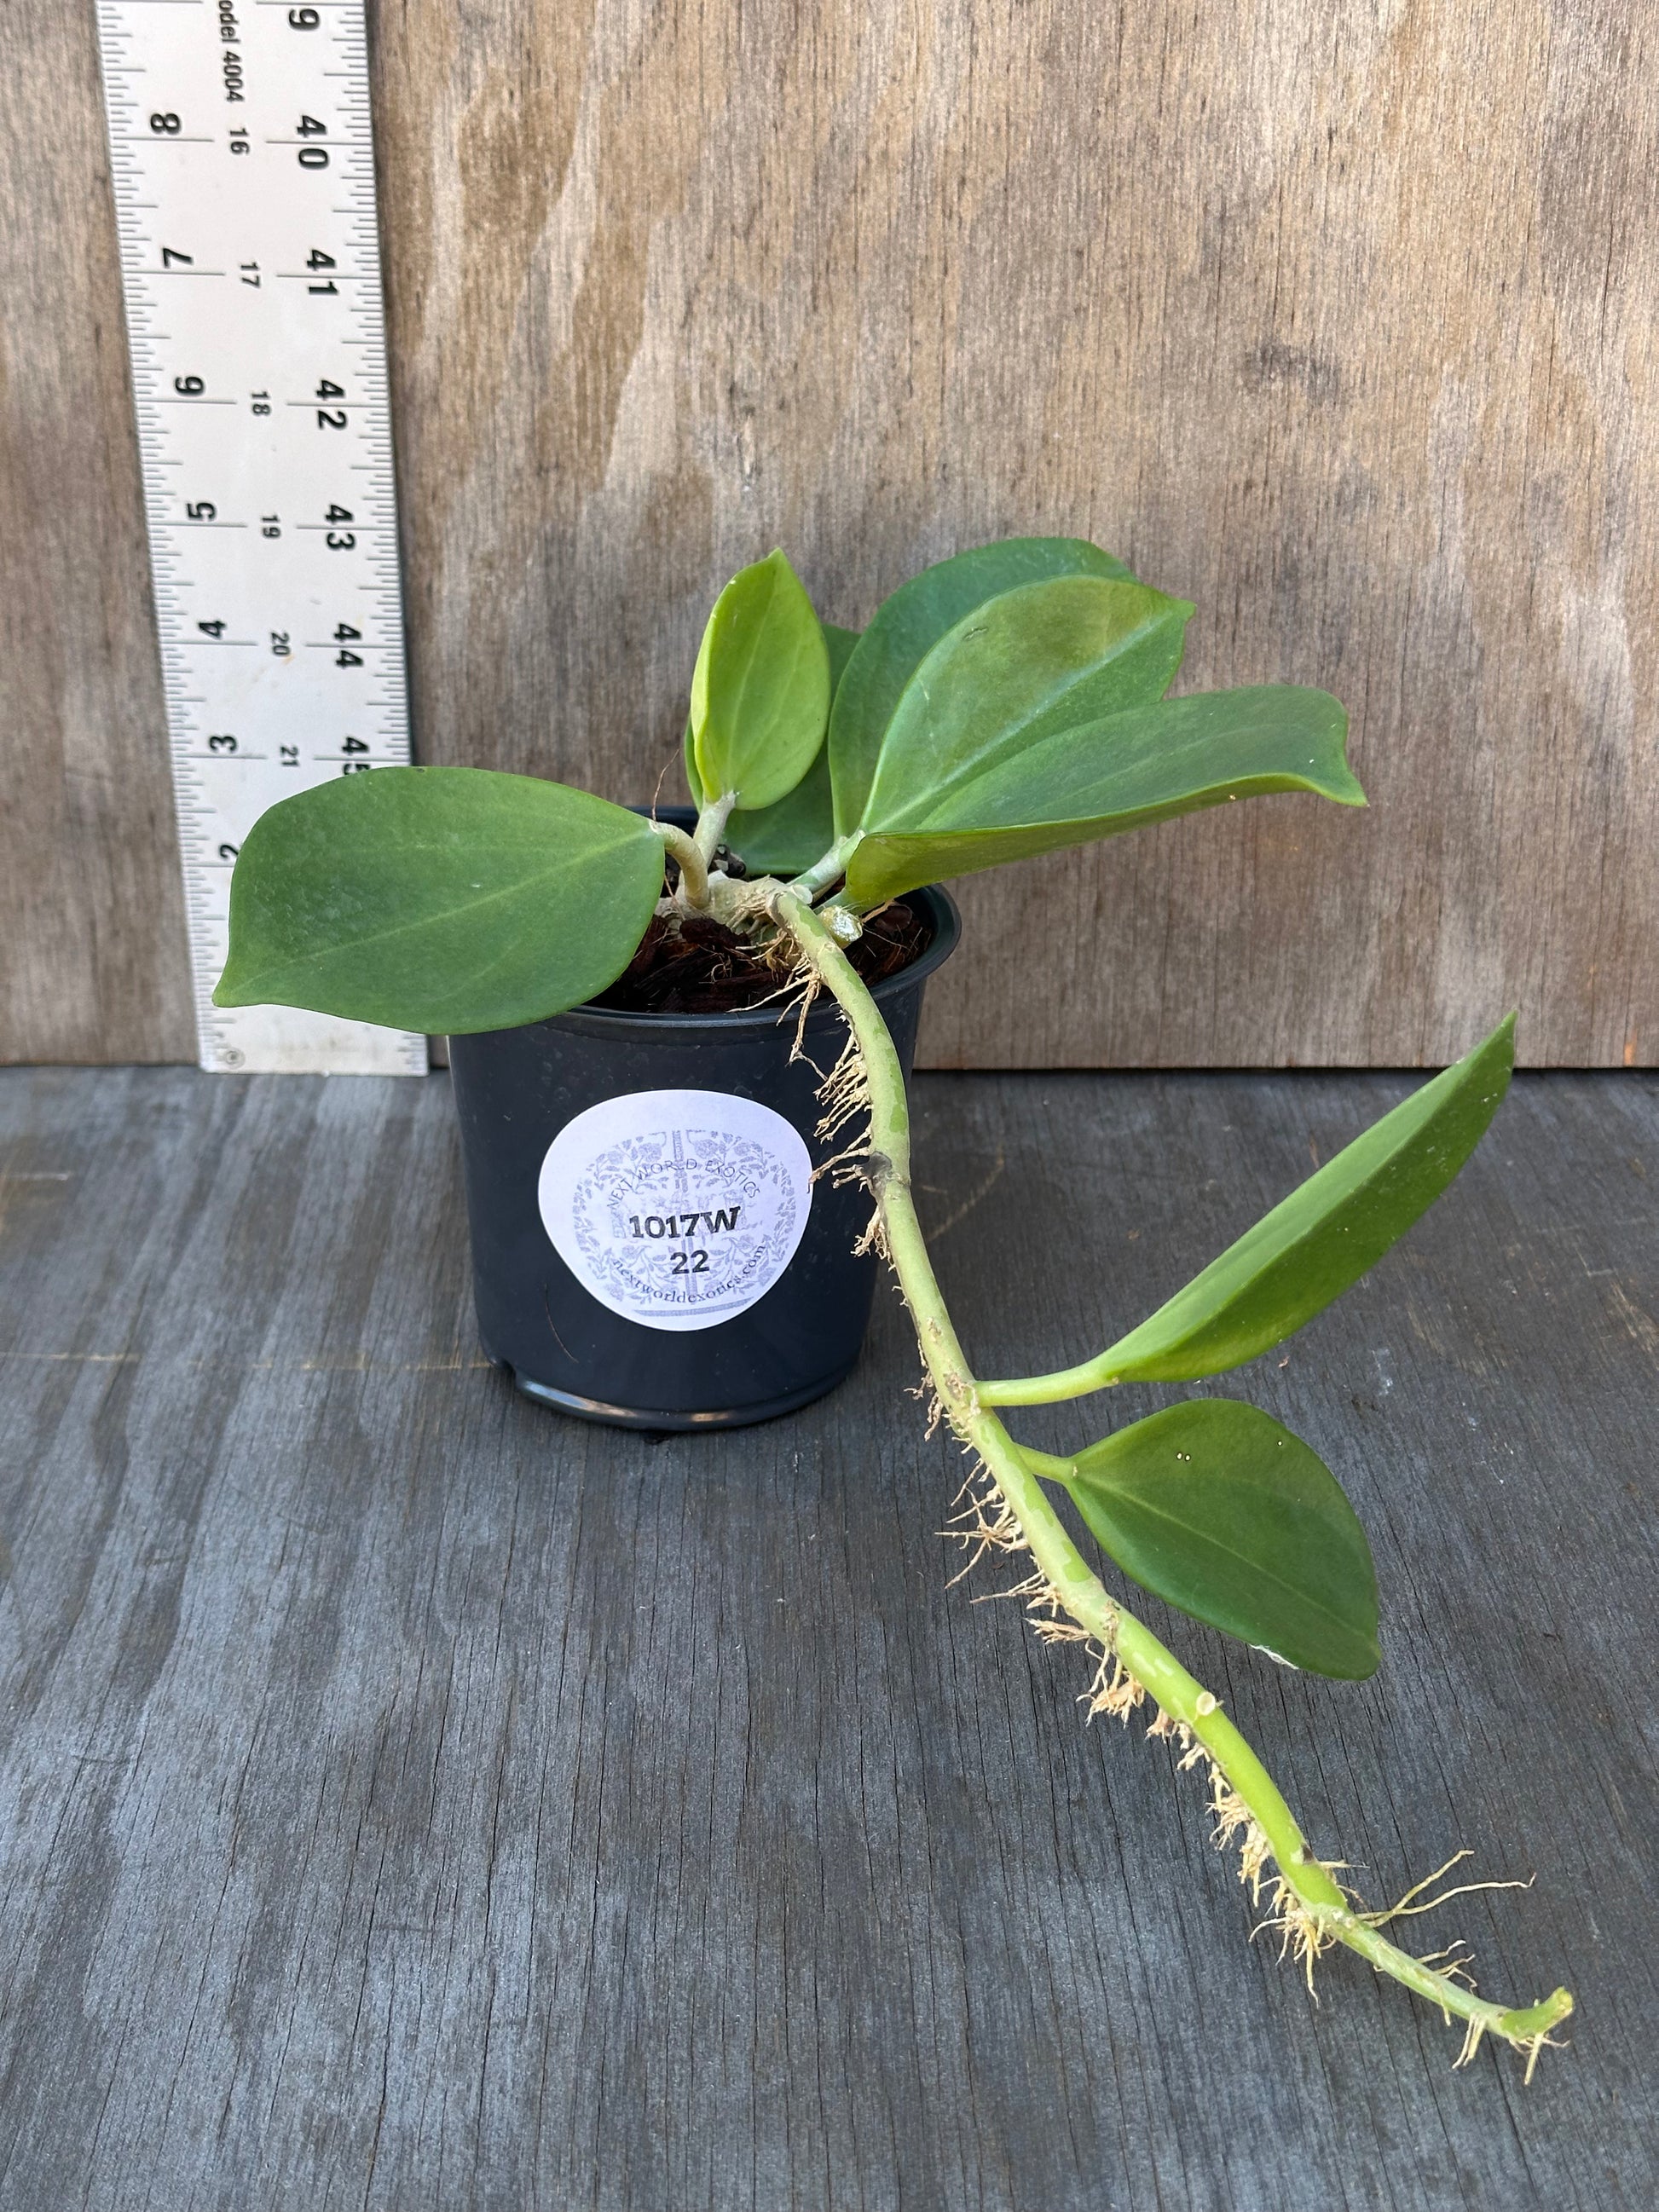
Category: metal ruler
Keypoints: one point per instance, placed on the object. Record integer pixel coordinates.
(244, 174)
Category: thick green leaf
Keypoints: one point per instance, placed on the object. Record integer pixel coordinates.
(910, 623)
(1215, 1509)
(760, 693)
(1072, 785)
(1308, 1250)
(783, 839)
(840, 644)
(1032, 663)
(442, 899)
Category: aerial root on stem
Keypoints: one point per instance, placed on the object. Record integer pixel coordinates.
(1404, 1909)
(982, 1520)
(1002, 1508)
(1307, 1928)
(844, 1095)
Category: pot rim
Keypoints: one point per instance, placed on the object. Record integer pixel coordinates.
(757, 1021)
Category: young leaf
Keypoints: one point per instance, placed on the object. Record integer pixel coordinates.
(782, 839)
(1309, 1250)
(1215, 1509)
(910, 623)
(760, 693)
(1072, 785)
(441, 899)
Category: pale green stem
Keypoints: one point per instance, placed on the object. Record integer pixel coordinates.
(711, 819)
(1321, 1906)
(694, 868)
(825, 871)
(1046, 1389)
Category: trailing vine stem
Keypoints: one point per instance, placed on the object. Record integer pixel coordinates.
(1309, 1909)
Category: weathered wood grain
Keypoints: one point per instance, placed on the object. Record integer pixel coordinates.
(1340, 321)
(415, 1800)
(92, 914)
(1335, 321)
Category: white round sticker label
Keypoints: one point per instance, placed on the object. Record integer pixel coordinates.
(677, 1208)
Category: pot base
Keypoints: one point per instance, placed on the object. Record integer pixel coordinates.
(631, 1417)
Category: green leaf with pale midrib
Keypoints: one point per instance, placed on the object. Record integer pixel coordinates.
(1219, 1511)
(1147, 764)
(1325, 1234)
(437, 899)
(908, 624)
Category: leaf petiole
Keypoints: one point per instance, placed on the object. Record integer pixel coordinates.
(824, 871)
(712, 819)
(694, 868)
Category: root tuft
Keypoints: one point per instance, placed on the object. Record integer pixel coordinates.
(1532, 2045)
(1233, 1817)
(1166, 1724)
(1115, 1691)
(874, 1238)
(1302, 1933)
(982, 1520)
(844, 1095)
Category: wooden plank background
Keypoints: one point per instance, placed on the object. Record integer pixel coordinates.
(418, 1800)
(1340, 321)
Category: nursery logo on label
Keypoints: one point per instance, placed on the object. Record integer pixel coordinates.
(677, 1208)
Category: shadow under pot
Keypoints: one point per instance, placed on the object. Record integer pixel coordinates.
(650, 1246)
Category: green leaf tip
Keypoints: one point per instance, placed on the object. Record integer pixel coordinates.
(759, 692)
(1310, 1248)
(906, 628)
(1217, 1510)
(1069, 783)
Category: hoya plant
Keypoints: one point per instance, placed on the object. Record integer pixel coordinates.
(1006, 702)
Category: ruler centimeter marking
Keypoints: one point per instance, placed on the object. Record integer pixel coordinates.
(244, 172)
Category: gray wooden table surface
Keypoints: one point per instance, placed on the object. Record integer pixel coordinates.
(413, 1799)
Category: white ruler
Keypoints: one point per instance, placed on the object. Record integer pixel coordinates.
(245, 193)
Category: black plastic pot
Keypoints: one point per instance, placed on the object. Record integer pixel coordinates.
(702, 1279)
